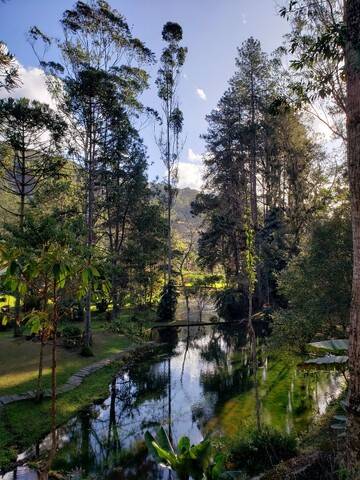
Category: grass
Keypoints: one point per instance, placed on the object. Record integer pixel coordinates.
(19, 359)
(23, 424)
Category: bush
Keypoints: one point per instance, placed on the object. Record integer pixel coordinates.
(168, 302)
(102, 305)
(231, 304)
(72, 336)
(132, 327)
(260, 450)
(86, 352)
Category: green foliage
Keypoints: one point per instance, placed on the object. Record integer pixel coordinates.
(132, 327)
(260, 450)
(231, 304)
(72, 336)
(86, 351)
(188, 461)
(317, 285)
(9, 69)
(167, 306)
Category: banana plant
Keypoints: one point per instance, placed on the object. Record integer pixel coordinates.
(186, 460)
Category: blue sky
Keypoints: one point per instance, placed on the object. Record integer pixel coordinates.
(212, 31)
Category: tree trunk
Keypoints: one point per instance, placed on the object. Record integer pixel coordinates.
(352, 65)
(114, 291)
(39, 386)
(254, 361)
(17, 330)
(53, 375)
(169, 223)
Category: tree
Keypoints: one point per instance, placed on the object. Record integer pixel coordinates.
(336, 42)
(45, 256)
(352, 70)
(32, 136)
(9, 72)
(100, 56)
(261, 159)
(167, 305)
(172, 59)
(202, 289)
(317, 284)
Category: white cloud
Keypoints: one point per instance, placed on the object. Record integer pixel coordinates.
(243, 18)
(194, 157)
(200, 92)
(33, 86)
(190, 175)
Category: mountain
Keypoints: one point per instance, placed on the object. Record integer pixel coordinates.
(183, 220)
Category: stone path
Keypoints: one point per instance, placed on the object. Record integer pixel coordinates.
(77, 378)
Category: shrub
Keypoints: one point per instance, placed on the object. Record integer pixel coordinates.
(72, 336)
(132, 327)
(260, 450)
(231, 304)
(168, 301)
(102, 305)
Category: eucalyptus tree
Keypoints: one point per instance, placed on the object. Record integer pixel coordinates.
(99, 54)
(31, 135)
(171, 62)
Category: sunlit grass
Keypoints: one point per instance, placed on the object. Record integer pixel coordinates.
(19, 359)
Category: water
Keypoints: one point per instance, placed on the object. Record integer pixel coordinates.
(204, 386)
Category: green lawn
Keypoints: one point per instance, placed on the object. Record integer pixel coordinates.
(24, 423)
(19, 359)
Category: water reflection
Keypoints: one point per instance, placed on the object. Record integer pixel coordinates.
(205, 385)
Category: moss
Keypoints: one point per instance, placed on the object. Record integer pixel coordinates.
(286, 396)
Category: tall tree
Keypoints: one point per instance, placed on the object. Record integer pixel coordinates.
(99, 55)
(32, 137)
(352, 71)
(330, 35)
(257, 165)
(172, 59)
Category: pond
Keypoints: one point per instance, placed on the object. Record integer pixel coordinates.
(202, 386)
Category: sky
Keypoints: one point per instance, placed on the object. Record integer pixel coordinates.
(212, 31)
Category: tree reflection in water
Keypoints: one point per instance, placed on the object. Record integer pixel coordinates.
(203, 384)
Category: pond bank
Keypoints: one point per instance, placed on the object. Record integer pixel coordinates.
(23, 424)
(76, 379)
